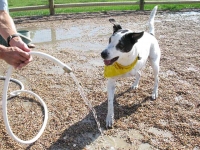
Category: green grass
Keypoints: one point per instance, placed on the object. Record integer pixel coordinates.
(23, 3)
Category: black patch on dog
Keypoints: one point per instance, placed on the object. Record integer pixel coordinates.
(116, 27)
(109, 40)
(127, 41)
(139, 58)
(123, 31)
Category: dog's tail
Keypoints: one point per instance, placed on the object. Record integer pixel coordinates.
(151, 20)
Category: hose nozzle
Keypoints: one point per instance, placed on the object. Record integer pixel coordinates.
(53, 59)
(67, 69)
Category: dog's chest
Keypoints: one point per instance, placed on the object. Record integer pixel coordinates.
(140, 64)
(137, 67)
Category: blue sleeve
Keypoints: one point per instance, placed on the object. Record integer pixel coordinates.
(3, 5)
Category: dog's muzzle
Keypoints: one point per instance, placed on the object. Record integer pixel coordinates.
(104, 54)
(108, 62)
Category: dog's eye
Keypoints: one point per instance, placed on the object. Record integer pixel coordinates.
(120, 45)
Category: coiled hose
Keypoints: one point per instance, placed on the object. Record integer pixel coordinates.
(17, 92)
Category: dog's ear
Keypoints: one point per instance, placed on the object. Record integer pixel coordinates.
(116, 26)
(135, 36)
(112, 21)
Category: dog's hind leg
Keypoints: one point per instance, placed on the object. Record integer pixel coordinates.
(155, 66)
(135, 84)
(111, 93)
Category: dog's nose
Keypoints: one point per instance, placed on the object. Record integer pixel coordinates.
(104, 54)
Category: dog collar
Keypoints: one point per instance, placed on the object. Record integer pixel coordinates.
(117, 69)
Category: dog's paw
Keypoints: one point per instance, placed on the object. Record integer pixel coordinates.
(109, 121)
(154, 95)
(134, 86)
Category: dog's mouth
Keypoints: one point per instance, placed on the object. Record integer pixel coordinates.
(111, 61)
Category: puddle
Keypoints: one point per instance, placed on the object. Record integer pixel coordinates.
(54, 70)
(95, 31)
(183, 82)
(194, 69)
(159, 132)
(196, 148)
(195, 16)
(54, 34)
(168, 73)
(73, 38)
(184, 103)
(145, 146)
(80, 46)
(119, 141)
(178, 98)
(41, 35)
(163, 122)
(192, 13)
(96, 62)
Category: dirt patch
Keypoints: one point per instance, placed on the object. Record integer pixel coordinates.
(170, 122)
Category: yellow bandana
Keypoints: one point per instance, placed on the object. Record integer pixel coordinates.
(117, 69)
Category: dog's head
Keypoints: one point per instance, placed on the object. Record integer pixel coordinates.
(120, 43)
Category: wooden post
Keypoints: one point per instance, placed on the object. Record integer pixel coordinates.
(51, 7)
(142, 5)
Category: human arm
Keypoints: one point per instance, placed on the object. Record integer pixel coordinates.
(17, 54)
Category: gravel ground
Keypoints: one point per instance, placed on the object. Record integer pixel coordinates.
(170, 122)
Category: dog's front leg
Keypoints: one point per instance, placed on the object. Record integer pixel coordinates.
(111, 93)
(135, 84)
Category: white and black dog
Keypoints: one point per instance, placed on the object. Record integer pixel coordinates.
(125, 55)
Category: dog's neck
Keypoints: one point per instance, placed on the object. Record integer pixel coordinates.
(128, 58)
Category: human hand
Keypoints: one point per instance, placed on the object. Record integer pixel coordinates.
(21, 50)
(15, 57)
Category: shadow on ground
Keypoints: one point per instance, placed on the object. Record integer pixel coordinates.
(86, 131)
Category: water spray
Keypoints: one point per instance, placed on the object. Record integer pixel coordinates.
(17, 92)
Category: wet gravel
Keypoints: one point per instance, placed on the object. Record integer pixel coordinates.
(170, 122)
